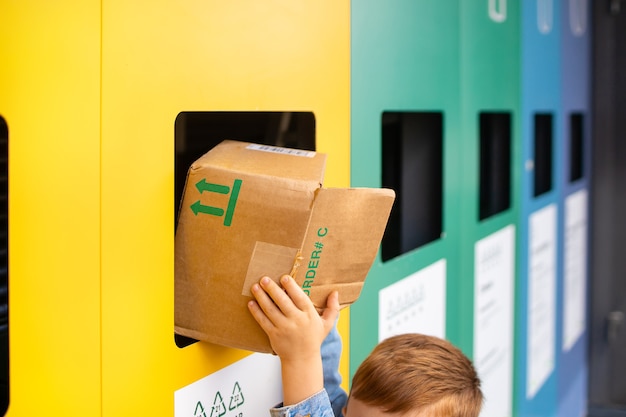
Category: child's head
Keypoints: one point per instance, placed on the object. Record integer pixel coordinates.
(414, 375)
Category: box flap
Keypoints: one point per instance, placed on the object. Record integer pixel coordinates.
(342, 241)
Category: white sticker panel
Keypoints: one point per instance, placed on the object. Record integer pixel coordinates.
(247, 388)
(575, 268)
(541, 298)
(415, 304)
(494, 278)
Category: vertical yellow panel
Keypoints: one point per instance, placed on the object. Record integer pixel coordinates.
(50, 98)
(161, 58)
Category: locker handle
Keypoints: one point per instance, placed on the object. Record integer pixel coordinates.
(615, 319)
(578, 17)
(497, 10)
(615, 7)
(545, 16)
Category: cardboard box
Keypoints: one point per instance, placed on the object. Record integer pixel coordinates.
(251, 210)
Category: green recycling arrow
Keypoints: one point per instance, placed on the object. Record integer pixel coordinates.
(219, 408)
(236, 399)
(199, 410)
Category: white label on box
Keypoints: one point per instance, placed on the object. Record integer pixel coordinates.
(494, 277)
(541, 298)
(575, 273)
(415, 304)
(247, 388)
(283, 151)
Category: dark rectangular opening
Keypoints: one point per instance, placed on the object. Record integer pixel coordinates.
(495, 163)
(576, 146)
(412, 165)
(195, 133)
(543, 154)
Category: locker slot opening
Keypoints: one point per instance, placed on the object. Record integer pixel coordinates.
(576, 146)
(495, 163)
(412, 165)
(4, 266)
(543, 153)
(195, 133)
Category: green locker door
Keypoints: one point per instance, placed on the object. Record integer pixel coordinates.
(405, 135)
(490, 188)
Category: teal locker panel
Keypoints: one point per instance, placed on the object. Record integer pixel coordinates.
(490, 188)
(539, 269)
(405, 135)
(573, 369)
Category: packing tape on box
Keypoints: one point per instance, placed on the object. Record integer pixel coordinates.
(269, 260)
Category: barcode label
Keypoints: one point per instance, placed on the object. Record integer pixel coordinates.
(278, 149)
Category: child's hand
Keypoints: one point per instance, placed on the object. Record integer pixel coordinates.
(289, 318)
(296, 332)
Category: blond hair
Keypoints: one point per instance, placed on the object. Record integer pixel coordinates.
(418, 373)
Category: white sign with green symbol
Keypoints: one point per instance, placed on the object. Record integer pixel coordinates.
(246, 388)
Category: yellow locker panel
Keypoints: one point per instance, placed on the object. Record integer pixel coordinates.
(159, 59)
(50, 99)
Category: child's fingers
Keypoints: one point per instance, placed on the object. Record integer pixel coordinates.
(259, 315)
(264, 300)
(299, 298)
(332, 308)
(279, 299)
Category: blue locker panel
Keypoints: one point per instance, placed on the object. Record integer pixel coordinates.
(575, 85)
(536, 359)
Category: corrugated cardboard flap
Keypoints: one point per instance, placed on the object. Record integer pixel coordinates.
(342, 241)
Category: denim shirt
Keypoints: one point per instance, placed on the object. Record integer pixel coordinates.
(317, 405)
(330, 401)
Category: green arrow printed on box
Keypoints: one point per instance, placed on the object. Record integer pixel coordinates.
(203, 186)
(198, 207)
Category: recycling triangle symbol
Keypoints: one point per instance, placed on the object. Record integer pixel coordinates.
(219, 408)
(199, 412)
(236, 399)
